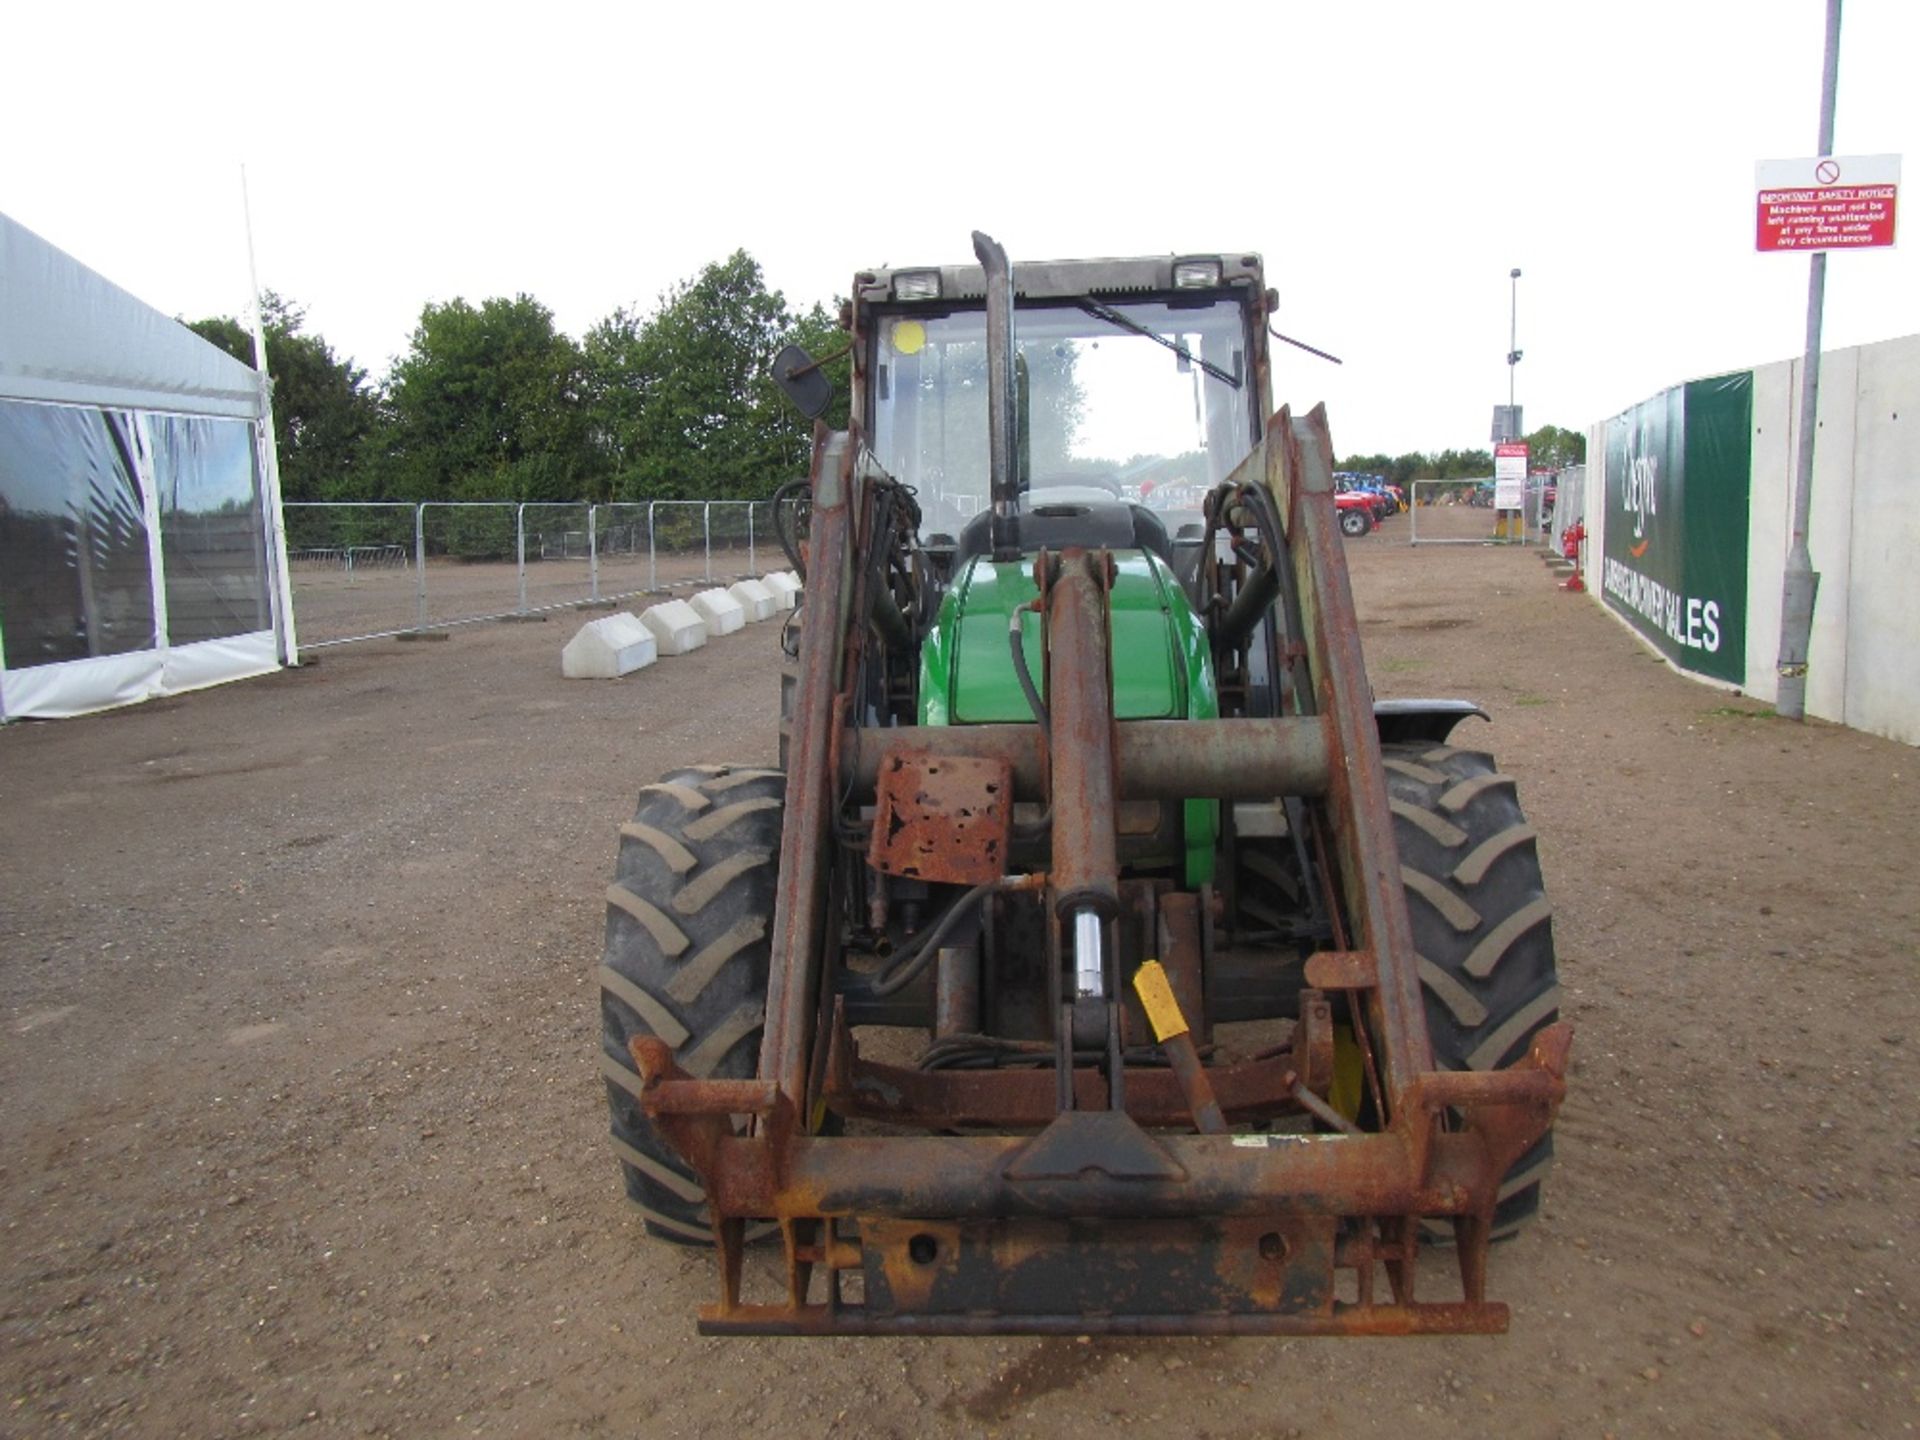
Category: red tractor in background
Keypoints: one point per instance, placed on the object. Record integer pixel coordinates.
(1355, 508)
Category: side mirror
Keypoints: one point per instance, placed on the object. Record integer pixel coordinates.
(802, 381)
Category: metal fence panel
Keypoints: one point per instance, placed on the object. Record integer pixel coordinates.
(1451, 512)
(680, 534)
(622, 539)
(352, 568)
(1569, 507)
(362, 570)
(736, 529)
(470, 553)
(556, 564)
(1535, 517)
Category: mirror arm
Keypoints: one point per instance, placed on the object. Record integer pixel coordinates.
(839, 354)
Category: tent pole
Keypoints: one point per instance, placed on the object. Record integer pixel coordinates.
(269, 452)
(3, 674)
(146, 475)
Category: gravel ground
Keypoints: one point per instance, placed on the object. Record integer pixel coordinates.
(303, 1131)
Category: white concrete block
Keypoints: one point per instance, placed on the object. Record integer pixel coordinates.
(608, 648)
(785, 586)
(756, 599)
(676, 626)
(721, 611)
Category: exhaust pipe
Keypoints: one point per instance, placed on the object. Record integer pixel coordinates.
(1002, 422)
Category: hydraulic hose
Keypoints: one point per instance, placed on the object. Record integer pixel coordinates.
(903, 971)
(1025, 676)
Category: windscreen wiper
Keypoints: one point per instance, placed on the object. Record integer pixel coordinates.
(1127, 322)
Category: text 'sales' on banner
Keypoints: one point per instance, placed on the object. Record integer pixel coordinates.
(1678, 471)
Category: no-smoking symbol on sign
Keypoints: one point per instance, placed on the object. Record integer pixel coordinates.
(1826, 202)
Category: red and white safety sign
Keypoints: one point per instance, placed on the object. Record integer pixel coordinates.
(1830, 202)
(1509, 474)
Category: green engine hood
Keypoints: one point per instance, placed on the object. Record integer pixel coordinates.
(1162, 669)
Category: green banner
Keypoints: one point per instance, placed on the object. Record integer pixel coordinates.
(1678, 469)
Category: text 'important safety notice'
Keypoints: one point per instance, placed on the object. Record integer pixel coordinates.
(1834, 202)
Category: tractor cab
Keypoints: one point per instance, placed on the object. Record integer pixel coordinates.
(1138, 386)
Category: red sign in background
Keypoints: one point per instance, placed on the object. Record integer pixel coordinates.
(1831, 217)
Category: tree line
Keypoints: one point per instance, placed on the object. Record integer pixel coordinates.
(1548, 448)
(493, 402)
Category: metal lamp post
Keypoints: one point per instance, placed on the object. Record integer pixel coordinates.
(1502, 519)
(1513, 337)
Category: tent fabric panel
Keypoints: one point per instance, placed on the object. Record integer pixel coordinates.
(212, 536)
(70, 335)
(80, 687)
(76, 575)
(215, 662)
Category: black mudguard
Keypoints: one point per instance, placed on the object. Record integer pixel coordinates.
(1429, 720)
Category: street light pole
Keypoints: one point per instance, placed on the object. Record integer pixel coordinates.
(1511, 430)
(1513, 343)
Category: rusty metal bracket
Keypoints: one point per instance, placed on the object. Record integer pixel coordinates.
(1088, 1142)
(943, 819)
(1505, 1110)
(697, 1132)
(1343, 970)
(1313, 1042)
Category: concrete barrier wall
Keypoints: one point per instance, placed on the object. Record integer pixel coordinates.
(1864, 663)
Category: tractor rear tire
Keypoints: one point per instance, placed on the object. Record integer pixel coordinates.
(689, 940)
(1482, 928)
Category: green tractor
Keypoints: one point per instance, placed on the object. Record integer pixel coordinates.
(1102, 958)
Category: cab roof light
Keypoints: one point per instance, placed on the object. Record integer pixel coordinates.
(917, 285)
(1196, 274)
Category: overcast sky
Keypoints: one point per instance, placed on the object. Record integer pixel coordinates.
(1391, 161)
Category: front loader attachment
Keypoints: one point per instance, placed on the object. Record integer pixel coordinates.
(1086, 1159)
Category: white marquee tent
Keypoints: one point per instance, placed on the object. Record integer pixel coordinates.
(142, 548)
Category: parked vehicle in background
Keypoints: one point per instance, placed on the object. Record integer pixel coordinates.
(1383, 498)
(1354, 491)
(1355, 508)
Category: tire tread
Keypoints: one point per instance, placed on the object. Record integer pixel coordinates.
(688, 944)
(1482, 928)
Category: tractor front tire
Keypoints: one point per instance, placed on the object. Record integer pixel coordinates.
(689, 940)
(1355, 521)
(1482, 928)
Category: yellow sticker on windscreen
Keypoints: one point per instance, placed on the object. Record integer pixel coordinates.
(909, 337)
